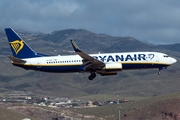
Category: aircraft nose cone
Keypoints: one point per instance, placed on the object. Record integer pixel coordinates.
(173, 60)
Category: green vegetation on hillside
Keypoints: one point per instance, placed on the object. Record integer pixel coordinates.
(6, 114)
(153, 108)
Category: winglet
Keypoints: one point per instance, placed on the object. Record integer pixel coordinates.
(76, 48)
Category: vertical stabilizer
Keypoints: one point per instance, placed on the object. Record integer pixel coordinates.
(18, 46)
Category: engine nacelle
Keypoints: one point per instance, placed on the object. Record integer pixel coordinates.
(107, 73)
(113, 67)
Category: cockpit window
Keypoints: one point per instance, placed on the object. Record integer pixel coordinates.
(166, 56)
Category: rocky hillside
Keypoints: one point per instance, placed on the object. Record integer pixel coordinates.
(127, 83)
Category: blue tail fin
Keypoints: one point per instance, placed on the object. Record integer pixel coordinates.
(18, 47)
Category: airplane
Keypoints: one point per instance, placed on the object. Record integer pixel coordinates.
(103, 63)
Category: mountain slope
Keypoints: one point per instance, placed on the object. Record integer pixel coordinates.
(153, 108)
(172, 47)
(127, 83)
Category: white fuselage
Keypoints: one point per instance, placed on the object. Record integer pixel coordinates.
(73, 63)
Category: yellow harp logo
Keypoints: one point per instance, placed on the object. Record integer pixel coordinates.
(17, 45)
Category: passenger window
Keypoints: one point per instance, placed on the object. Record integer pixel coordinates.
(165, 55)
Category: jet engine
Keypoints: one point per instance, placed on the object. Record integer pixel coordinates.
(113, 67)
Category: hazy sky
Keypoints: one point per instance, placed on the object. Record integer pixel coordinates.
(155, 21)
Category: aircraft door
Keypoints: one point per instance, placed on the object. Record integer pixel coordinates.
(39, 64)
(157, 58)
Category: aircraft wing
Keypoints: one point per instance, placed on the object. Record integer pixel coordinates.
(88, 61)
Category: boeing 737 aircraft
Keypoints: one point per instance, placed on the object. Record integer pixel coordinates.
(103, 64)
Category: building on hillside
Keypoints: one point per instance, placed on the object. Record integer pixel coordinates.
(90, 104)
(19, 94)
(26, 119)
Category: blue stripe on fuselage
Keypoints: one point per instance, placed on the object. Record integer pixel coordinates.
(60, 69)
(142, 66)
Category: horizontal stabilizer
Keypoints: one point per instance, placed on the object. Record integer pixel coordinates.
(16, 60)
